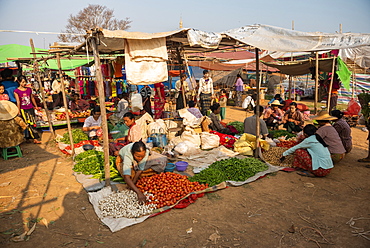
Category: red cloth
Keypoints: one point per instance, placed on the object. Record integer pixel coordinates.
(225, 140)
(302, 159)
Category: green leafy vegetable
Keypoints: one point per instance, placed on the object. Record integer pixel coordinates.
(279, 133)
(238, 125)
(232, 169)
(77, 134)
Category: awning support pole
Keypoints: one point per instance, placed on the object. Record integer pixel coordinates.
(256, 152)
(316, 82)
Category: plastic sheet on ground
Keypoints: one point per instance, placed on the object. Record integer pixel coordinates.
(116, 224)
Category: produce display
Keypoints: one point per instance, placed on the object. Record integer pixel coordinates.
(279, 133)
(124, 204)
(165, 189)
(232, 169)
(61, 116)
(287, 143)
(274, 154)
(91, 162)
(238, 125)
(77, 134)
(84, 142)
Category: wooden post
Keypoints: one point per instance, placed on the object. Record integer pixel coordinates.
(331, 84)
(65, 105)
(354, 77)
(104, 125)
(290, 87)
(256, 152)
(316, 82)
(37, 72)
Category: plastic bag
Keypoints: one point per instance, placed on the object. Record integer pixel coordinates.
(136, 102)
(183, 147)
(209, 140)
(353, 107)
(191, 136)
(120, 130)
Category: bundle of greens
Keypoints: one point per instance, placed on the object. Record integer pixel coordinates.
(91, 162)
(77, 134)
(232, 169)
(280, 133)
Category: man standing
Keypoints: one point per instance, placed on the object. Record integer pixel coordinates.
(205, 92)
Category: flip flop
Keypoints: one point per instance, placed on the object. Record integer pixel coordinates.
(305, 174)
(364, 160)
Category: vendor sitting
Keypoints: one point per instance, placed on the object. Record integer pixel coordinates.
(293, 119)
(77, 104)
(343, 129)
(93, 123)
(273, 116)
(134, 134)
(195, 111)
(133, 158)
(216, 124)
(331, 137)
(277, 97)
(311, 155)
(250, 123)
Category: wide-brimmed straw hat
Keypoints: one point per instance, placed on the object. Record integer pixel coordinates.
(324, 116)
(8, 110)
(276, 102)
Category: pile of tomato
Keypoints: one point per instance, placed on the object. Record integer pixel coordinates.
(287, 143)
(167, 188)
(84, 142)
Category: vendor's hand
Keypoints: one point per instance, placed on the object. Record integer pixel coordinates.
(282, 158)
(141, 198)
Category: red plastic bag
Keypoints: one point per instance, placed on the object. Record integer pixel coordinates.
(225, 140)
(353, 107)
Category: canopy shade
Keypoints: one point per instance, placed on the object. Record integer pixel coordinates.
(17, 52)
(302, 67)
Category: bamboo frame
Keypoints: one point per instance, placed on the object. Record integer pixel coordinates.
(331, 84)
(65, 105)
(256, 152)
(316, 82)
(37, 72)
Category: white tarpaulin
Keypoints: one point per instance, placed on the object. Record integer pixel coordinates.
(204, 39)
(286, 40)
(360, 55)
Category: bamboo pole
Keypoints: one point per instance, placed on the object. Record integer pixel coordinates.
(256, 152)
(104, 125)
(316, 82)
(331, 84)
(354, 77)
(65, 105)
(37, 72)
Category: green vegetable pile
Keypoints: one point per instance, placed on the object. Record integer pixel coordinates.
(77, 134)
(91, 162)
(279, 133)
(238, 125)
(232, 169)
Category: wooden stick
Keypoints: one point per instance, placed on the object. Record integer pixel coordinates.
(65, 105)
(256, 152)
(36, 70)
(316, 82)
(104, 125)
(331, 84)
(354, 77)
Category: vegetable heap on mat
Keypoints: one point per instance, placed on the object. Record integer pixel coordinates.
(232, 169)
(91, 162)
(167, 188)
(77, 134)
(238, 125)
(280, 133)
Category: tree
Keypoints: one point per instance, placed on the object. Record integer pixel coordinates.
(90, 17)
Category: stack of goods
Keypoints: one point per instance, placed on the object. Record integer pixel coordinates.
(232, 169)
(273, 156)
(166, 189)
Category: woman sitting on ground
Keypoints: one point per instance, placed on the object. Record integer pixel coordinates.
(134, 134)
(131, 164)
(311, 155)
(273, 116)
(331, 137)
(216, 124)
(293, 119)
(343, 129)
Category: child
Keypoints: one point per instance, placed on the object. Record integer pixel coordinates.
(223, 102)
(3, 96)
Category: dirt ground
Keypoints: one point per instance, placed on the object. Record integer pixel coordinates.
(280, 210)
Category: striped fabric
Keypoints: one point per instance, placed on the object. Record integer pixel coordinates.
(362, 83)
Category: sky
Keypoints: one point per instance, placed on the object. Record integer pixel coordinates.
(153, 16)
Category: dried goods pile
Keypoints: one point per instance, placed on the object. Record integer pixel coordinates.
(274, 154)
(124, 204)
(232, 169)
(167, 188)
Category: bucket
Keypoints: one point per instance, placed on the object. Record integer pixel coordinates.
(170, 167)
(181, 165)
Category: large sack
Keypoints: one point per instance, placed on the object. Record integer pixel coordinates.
(190, 135)
(136, 102)
(209, 140)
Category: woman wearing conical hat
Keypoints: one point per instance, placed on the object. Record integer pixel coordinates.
(331, 137)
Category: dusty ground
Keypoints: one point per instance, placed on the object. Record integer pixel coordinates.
(280, 210)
